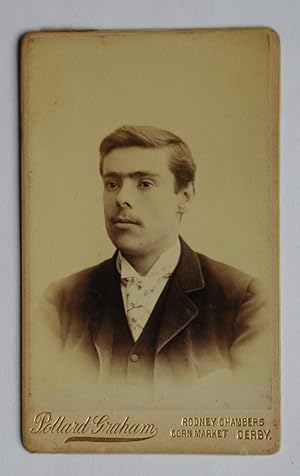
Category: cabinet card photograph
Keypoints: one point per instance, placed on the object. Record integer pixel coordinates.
(150, 241)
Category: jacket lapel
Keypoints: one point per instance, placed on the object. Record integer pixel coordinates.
(180, 309)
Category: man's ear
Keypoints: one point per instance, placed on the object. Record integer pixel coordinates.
(185, 197)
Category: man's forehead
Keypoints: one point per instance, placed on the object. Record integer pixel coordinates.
(130, 160)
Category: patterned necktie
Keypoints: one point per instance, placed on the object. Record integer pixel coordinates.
(140, 293)
(141, 296)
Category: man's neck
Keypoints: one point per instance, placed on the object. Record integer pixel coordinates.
(143, 263)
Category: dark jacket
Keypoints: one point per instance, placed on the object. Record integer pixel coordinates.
(212, 319)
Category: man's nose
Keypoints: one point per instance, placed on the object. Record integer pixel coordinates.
(125, 196)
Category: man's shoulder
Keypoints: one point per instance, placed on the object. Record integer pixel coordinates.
(78, 284)
(224, 278)
(199, 269)
(221, 270)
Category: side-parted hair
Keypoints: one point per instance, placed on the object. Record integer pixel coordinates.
(181, 162)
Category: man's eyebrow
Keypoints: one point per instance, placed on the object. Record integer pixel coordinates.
(112, 174)
(137, 174)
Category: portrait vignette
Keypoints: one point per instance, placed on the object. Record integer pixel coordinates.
(69, 209)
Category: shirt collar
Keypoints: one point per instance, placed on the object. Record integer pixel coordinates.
(165, 264)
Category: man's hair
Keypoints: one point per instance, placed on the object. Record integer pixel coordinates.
(181, 162)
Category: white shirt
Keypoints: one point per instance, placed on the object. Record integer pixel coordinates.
(141, 293)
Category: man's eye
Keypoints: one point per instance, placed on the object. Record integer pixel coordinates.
(145, 184)
(111, 186)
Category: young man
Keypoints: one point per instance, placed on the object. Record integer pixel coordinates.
(156, 312)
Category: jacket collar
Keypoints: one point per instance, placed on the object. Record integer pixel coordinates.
(189, 272)
(180, 309)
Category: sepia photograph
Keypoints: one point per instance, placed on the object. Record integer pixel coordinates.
(150, 241)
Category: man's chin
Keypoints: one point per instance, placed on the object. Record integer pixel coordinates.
(128, 245)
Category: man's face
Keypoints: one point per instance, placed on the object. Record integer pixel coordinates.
(142, 210)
